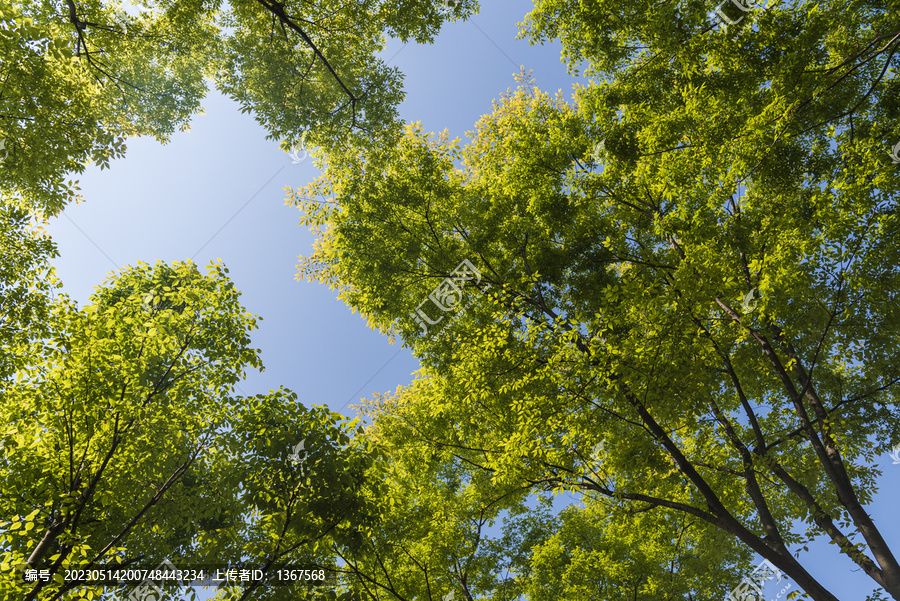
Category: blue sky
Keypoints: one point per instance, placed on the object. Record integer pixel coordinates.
(168, 202)
(171, 202)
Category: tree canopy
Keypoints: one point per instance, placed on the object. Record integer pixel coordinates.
(692, 265)
(126, 446)
(80, 76)
(673, 297)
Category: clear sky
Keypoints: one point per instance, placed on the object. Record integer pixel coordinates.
(171, 202)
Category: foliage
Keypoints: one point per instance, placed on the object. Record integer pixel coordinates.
(125, 444)
(605, 551)
(26, 281)
(79, 79)
(80, 76)
(311, 71)
(433, 540)
(694, 262)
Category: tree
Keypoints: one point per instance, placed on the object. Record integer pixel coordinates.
(26, 282)
(432, 539)
(311, 71)
(125, 445)
(80, 76)
(694, 263)
(79, 79)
